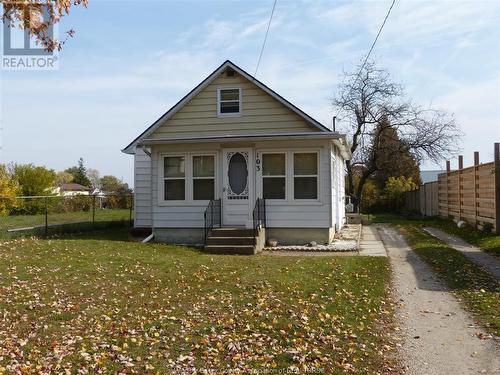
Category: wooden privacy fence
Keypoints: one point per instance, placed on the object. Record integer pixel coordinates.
(424, 200)
(471, 194)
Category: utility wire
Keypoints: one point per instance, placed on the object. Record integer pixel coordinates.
(265, 39)
(373, 45)
(376, 38)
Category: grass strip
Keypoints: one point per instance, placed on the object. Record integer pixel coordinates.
(489, 242)
(478, 290)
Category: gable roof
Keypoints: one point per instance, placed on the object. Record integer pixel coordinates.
(227, 64)
(73, 187)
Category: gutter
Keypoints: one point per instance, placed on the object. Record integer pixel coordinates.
(255, 137)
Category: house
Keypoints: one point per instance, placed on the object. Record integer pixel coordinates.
(71, 189)
(235, 154)
(430, 175)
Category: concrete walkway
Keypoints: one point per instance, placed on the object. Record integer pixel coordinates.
(371, 244)
(488, 262)
(438, 336)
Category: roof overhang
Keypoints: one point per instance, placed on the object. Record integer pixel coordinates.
(338, 139)
(227, 64)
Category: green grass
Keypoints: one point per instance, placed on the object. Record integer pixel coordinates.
(111, 306)
(488, 242)
(58, 223)
(478, 289)
(21, 221)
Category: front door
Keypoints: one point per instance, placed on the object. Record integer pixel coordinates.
(236, 187)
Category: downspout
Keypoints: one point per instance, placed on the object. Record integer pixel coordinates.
(151, 189)
(331, 178)
(148, 238)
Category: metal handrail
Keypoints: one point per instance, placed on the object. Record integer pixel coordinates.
(259, 215)
(213, 216)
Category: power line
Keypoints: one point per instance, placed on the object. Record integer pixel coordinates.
(372, 47)
(265, 39)
(376, 38)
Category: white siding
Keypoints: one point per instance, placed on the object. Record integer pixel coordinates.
(177, 215)
(142, 189)
(297, 214)
(334, 193)
(341, 189)
(286, 214)
(337, 188)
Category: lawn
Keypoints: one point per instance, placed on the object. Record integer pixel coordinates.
(488, 242)
(59, 222)
(106, 306)
(22, 221)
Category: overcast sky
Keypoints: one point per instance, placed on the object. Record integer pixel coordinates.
(130, 61)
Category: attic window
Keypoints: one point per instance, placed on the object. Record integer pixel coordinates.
(229, 101)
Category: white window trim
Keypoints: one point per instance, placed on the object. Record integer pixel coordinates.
(240, 101)
(289, 193)
(262, 177)
(317, 175)
(188, 177)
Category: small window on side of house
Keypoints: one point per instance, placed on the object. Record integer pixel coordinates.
(229, 102)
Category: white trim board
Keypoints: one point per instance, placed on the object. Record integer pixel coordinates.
(338, 139)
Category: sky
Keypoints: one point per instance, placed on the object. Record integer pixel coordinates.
(130, 61)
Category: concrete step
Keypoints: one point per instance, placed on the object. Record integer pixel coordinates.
(231, 249)
(231, 232)
(212, 240)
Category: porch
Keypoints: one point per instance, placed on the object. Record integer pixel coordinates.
(300, 181)
(225, 240)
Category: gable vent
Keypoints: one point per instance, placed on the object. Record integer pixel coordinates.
(230, 73)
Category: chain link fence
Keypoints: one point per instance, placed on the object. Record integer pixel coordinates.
(50, 215)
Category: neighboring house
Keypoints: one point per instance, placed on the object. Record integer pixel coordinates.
(228, 142)
(430, 176)
(71, 189)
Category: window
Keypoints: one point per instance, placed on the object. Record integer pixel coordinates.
(305, 175)
(273, 176)
(188, 178)
(203, 177)
(174, 174)
(229, 102)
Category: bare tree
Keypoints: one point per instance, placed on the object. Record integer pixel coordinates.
(372, 107)
(95, 178)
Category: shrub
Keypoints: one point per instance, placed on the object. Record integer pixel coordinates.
(487, 228)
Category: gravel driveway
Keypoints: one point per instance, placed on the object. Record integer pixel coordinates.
(438, 336)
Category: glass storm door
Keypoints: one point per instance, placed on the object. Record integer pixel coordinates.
(236, 190)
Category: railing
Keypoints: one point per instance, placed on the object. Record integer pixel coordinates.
(259, 215)
(213, 216)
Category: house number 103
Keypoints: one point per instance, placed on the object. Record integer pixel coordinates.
(257, 164)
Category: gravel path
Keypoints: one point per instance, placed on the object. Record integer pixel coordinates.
(438, 336)
(488, 262)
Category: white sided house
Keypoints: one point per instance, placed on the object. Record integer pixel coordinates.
(234, 163)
